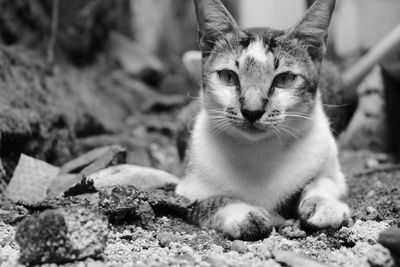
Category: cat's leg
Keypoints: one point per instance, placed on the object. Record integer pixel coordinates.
(233, 218)
(320, 206)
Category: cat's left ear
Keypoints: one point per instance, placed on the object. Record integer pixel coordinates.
(215, 22)
(313, 27)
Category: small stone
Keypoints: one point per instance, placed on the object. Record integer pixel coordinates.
(239, 246)
(378, 184)
(270, 263)
(390, 238)
(217, 261)
(95, 264)
(165, 238)
(293, 259)
(372, 213)
(126, 234)
(370, 193)
(61, 235)
(372, 163)
(378, 256)
(292, 231)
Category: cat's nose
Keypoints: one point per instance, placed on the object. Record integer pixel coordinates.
(252, 115)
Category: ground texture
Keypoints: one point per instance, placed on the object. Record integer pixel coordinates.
(374, 198)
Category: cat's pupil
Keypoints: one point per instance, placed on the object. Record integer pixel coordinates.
(284, 80)
(228, 77)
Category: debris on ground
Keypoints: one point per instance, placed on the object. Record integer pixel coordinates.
(31, 179)
(61, 235)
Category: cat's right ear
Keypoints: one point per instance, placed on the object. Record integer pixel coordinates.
(215, 22)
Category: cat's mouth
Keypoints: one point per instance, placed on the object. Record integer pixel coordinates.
(256, 127)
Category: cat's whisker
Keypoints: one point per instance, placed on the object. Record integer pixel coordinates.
(289, 132)
(298, 116)
(336, 106)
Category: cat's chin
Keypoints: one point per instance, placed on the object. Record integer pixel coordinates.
(252, 133)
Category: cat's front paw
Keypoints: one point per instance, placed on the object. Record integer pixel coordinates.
(242, 221)
(323, 213)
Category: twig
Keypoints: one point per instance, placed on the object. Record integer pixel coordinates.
(53, 34)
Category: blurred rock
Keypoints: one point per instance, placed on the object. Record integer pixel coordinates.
(291, 230)
(165, 238)
(125, 204)
(136, 59)
(291, 259)
(368, 127)
(13, 215)
(31, 179)
(239, 246)
(390, 238)
(126, 174)
(114, 155)
(121, 203)
(76, 165)
(372, 213)
(62, 235)
(378, 256)
(136, 148)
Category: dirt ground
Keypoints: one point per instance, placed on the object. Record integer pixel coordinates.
(374, 198)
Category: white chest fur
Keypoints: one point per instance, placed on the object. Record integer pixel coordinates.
(262, 173)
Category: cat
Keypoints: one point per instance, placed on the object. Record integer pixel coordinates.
(261, 146)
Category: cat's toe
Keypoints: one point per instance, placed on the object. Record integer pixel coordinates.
(245, 223)
(323, 213)
(258, 225)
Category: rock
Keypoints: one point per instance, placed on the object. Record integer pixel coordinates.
(239, 246)
(126, 235)
(134, 58)
(31, 180)
(390, 238)
(165, 238)
(127, 174)
(367, 231)
(217, 260)
(16, 214)
(121, 204)
(78, 164)
(270, 263)
(372, 213)
(95, 264)
(80, 184)
(379, 256)
(291, 259)
(125, 204)
(61, 235)
(372, 163)
(292, 231)
(168, 202)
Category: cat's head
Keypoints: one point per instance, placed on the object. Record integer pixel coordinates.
(260, 80)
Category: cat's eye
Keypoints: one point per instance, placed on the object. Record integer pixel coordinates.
(228, 77)
(284, 80)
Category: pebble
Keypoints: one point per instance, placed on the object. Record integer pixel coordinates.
(372, 163)
(165, 238)
(378, 256)
(292, 231)
(126, 234)
(217, 260)
(239, 246)
(372, 213)
(61, 235)
(270, 263)
(390, 238)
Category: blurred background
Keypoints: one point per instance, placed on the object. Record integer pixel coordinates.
(81, 74)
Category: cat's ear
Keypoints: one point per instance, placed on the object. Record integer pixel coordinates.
(313, 27)
(215, 22)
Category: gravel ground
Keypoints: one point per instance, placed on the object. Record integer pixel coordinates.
(374, 198)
